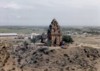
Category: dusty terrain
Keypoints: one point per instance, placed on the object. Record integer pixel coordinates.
(77, 57)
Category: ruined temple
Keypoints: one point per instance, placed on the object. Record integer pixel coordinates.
(54, 34)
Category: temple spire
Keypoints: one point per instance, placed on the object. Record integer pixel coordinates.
(54, 33)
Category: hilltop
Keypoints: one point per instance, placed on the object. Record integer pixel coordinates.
(21, 58)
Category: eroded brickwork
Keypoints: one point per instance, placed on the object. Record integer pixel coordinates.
(54, 33)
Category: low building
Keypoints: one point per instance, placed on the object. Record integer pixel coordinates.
(8, 35)
(34, 35)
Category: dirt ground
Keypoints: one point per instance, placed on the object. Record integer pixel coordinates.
(93, 41)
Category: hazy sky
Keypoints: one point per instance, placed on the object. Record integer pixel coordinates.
(41, 12)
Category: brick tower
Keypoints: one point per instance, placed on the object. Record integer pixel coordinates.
(54, 33)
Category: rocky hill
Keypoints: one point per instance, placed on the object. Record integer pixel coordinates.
(21, 58)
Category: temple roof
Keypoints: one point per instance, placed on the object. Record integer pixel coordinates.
(54, 21)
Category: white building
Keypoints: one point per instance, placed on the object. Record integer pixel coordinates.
(8, 35)
(34, 35)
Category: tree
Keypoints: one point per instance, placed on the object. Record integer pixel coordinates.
(26, 44)
(33, 40)
(67, 39)
(49, 43)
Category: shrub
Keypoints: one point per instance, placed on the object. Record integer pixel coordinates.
(25, 43)
(67, 39)
(33, 40)
(49, 43)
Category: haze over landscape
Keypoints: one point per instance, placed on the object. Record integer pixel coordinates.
(41, 12)
(49, 35)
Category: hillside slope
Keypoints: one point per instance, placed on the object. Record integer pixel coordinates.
(45, 59)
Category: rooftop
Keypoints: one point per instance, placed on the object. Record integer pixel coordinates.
(8, 34)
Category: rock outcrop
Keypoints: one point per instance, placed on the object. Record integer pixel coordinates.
(20, 58)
